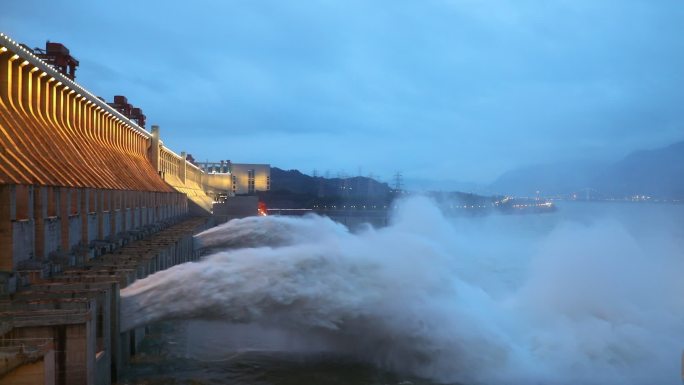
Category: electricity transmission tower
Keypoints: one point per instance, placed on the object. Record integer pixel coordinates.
(398, 181)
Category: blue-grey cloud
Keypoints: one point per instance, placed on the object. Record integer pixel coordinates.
(454, 89)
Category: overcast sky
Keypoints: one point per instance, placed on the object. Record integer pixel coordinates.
(439, 89)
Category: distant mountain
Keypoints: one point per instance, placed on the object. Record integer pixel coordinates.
(548, 179)
(296, 182)
(292, 189)
(658, 173)
(429, 185)
(293, 181)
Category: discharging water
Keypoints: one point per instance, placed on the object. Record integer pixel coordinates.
(588, 295)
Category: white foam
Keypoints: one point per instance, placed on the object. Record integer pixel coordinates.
(589, 306)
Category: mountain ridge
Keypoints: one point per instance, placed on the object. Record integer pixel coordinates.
(656, 172)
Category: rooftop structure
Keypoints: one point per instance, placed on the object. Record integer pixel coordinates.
(57, 56)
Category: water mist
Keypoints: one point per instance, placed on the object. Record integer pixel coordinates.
(588, 304)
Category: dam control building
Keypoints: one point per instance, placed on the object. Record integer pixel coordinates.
(245, 178)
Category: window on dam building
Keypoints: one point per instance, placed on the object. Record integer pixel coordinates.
(250, 181)
(250, 178)
(245, 178)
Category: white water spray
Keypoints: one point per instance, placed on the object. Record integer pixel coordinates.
(591, 306)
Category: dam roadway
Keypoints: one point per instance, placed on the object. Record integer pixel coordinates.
(90, 201)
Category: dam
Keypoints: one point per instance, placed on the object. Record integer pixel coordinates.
(90, 201)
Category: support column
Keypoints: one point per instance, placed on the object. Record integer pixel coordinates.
(139, 195)
(7, 210)
(64, 209)
(100, 214)
(162, 206)
(148, 210)
(153, 151)
(112, 213)
(156, 207)
(122, 205)
(182, 169)
(39, 214)
(130, 209)
(86, 195)
(135, 209)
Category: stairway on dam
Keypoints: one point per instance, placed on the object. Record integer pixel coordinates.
(89, 202)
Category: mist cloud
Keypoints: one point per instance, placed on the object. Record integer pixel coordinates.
(581, 302)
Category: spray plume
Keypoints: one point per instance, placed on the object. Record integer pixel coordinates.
(590, 306)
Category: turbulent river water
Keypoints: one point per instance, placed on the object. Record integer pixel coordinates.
(589, 294)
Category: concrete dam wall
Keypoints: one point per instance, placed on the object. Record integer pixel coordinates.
(89, 202)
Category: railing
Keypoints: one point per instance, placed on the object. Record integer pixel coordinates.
(28, 56)
(53, 132)
(169, 162)
(56, 133)
(194, 173)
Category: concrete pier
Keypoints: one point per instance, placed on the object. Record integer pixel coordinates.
(65, 330)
